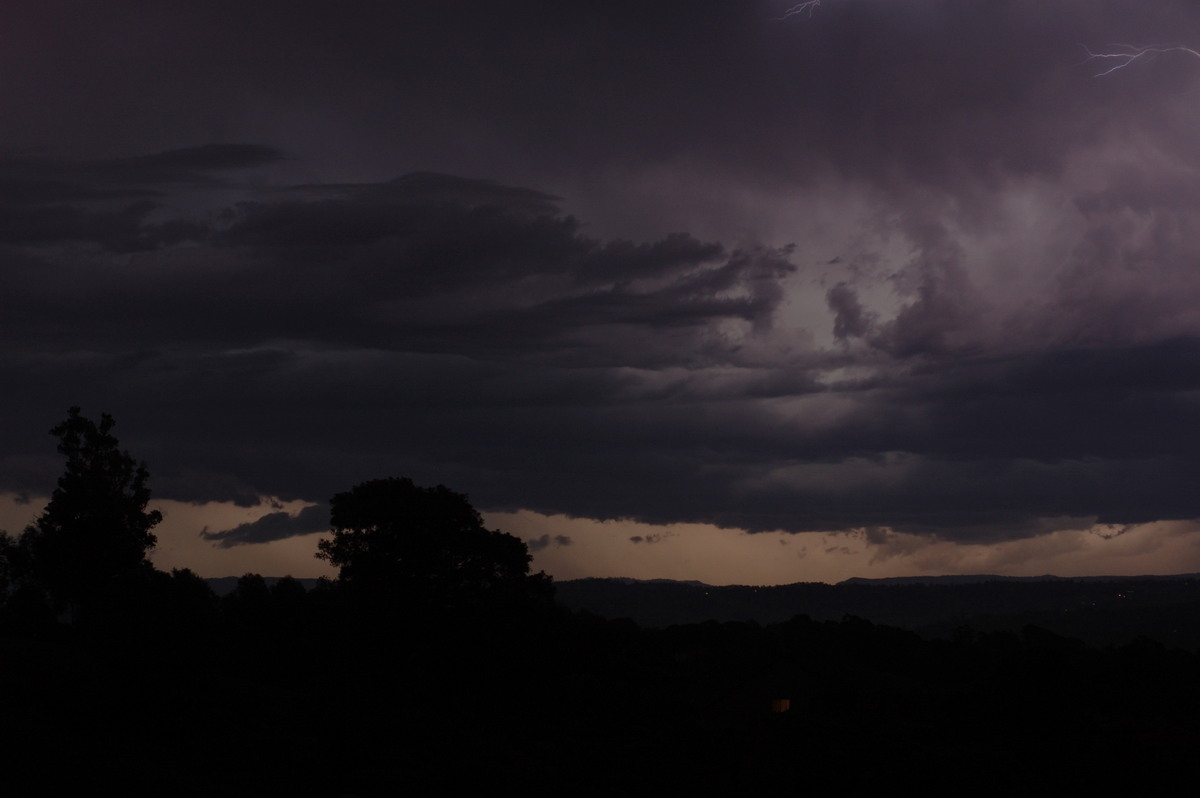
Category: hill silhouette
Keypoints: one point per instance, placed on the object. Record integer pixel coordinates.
(1098, 610)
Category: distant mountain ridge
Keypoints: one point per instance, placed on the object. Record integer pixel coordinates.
(1100, 610)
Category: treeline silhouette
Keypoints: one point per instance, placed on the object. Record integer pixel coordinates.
(438, 664)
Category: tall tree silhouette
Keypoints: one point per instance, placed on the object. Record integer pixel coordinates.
(426, 547)
(95, 533)
(8, 549)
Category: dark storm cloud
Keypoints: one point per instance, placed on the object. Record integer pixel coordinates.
(372, 267)
(545, 541)
(934, 90)
(272, 526)
(424, 297)
(1005, 343)
(186, 164)
(850, 319)
(31, 180)
(311, 343)
(114, 204)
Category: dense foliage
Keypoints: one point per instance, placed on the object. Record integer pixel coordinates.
(399, 544)
(93, 537)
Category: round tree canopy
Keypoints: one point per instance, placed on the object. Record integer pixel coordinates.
(428, 546)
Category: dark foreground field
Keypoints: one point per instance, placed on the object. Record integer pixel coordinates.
(286, 692)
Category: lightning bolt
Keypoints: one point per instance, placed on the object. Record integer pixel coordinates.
(800, 8)
(1126, 54)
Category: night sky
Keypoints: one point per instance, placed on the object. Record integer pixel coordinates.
(686, 288)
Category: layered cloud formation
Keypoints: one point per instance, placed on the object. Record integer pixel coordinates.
(894, 267)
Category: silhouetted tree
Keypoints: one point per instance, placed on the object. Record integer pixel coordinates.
(252, 593)
(93, 537)
(288, 590)
(190, 599)
(427, 547)
(8, 548)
